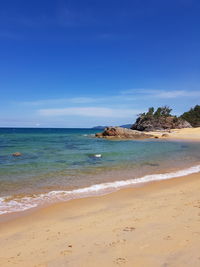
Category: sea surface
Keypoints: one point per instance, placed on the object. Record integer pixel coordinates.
(62, 164)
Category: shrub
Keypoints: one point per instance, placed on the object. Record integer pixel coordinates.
(192, 116)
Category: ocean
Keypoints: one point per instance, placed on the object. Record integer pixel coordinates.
(63, 164)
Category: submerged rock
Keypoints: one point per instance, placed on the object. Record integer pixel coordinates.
(17, 154)
(122, 133)
(98, 134)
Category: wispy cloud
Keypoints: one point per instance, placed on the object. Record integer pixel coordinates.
(123, 98)
(86, 111)
(160, 93)
(90, 112)
(82, 100)
(73, 100)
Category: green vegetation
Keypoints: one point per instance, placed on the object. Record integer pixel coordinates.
(192, 116)
(164, 111)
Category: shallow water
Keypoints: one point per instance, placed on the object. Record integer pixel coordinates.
(64, 159)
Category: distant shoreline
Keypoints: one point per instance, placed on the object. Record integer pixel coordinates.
(187, 134)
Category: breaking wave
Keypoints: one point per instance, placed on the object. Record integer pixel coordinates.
(10, 204)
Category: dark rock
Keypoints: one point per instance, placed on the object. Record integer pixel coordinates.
(98, 135)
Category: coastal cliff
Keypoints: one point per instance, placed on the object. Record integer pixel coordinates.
(159, 120)
(159, 124)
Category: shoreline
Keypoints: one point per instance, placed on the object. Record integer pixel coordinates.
(184, 134)
(155, 224)
(15, 207)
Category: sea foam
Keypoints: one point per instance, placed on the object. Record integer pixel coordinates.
(8, 205)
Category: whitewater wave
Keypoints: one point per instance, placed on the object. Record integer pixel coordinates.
(9, 204)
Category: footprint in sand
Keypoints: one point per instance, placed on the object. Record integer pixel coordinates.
(65, 252)
(120, 261)
(114, 243)
(167, 237)
(129, 229)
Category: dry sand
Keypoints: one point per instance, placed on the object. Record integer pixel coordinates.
(157, 224)
(192, 134)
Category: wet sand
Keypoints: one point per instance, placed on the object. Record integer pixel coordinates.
(157, 224)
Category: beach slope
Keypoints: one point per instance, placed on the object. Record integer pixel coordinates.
(153, 225)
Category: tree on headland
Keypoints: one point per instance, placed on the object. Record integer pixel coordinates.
(157, 114)
(159, 119)
(150, 111)
(164, 111)
(192, 116)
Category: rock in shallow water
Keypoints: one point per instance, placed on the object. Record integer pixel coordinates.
(122, 133)
(17, 154)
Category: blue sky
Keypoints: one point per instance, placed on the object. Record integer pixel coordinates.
(85, 63)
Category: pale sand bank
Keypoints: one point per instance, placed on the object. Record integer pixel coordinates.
(154, 225)
(192, 134)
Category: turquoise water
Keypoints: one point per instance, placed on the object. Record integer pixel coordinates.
(64, 159)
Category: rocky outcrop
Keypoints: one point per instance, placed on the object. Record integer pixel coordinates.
(122, 133)
(152, 123)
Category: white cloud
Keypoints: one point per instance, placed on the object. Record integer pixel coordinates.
(90, 112)
(122, 97)
(160, 93)
(74, 100)
(82, 100)
(174, 94)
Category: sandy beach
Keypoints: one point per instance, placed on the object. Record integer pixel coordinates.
(153, 225)
(192, 134)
